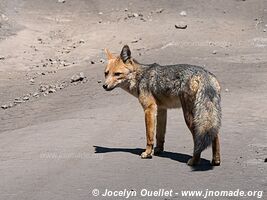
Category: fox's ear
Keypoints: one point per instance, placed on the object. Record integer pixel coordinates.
(125, 53)
(109, 55)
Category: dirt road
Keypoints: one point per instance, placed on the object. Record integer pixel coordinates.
(61, 139)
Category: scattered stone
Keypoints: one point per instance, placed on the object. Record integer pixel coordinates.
(40, 40)
(99, 81)
(59, 86)
(2, 58)
(100, 13)
(54, 62)
(160, 10)
(36, 94)
(11, 105)
(61, 1)
(181, 26)
(17, 101)
(77, 77)
(102, 60)
(265, 160)
(43, 88)
(51, 90)
(143, 19)
(84, 81)
(264, 30)
(136, 40)
(226, 90)
(4, 17)
(135, 15)
(214, 52)
(81, 41)
(126, 9)
(92, 62)
(183, 13)
(26, 98)
(65, 64)
(32, 80)
(4, 106)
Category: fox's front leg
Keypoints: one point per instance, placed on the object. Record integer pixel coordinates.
(150, 109)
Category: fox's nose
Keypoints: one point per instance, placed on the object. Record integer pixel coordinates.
(105, 86)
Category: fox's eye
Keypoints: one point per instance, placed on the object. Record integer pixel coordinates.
(106, 73)
(117, 74)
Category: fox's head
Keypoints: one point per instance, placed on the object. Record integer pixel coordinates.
(118, 69)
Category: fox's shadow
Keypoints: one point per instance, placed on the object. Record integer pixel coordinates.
(180, 157)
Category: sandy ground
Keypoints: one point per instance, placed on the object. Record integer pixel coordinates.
(72, 137)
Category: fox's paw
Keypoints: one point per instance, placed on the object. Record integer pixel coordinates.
(158, 151)
(193, 162)
(145, 155)
(216, 162)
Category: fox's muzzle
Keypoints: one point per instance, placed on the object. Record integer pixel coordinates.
(105, 86)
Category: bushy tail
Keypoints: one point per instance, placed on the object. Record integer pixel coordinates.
(207, 114)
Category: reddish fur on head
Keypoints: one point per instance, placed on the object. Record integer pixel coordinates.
(118, 68)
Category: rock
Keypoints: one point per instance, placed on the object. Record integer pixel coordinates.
(77, 77)
(102, 60)
(99, 81)
(265, 160)
(4, 106)
(26, 98)
(51, 90)
(183, 13)
(32, 80)
(2, 58)
(135, 15)
(160, 10)
(125, 9)
(11, 105)
(92, 62)
(64, 64)
(214, 52)
(17, 101)
(36, 94)
(61, 1)
(82, 75)
(81, 41)
(43, 88)
(100, 13)
(264, 30)
(136, 40)
(59, 86)
(4, 17)
(143, 19)
(226, 90)
(181, 25)
(54, 62)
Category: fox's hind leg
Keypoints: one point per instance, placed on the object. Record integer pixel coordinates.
(216, 158)
(161, 130)
(187, 105)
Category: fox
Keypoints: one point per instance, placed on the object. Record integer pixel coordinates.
(159, 88)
